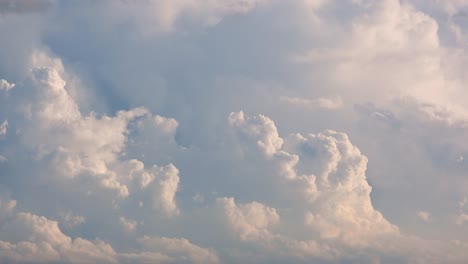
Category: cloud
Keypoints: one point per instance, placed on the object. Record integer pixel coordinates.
(35, 239)
(4, 85)
(79, 144)
(31, 238)
(326, 103)
(424, 216)
(462, 216)
(165, 188)
(3, 128)
(122, 137)
(70, 220)
(166, 16)
(181, 250)
(260, 128)
(89, 146)
(127, 224)
(319, 177)
(328, 174)
(249, 220)
(24, 6)
(431, 134)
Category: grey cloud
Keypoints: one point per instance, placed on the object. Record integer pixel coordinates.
(379, 114)
(24, 6)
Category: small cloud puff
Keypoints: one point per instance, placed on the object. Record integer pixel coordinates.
(5, 85)
(424, 216)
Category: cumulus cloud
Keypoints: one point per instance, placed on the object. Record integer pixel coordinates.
(54, 126)
(329, 174)
(89, 146)
(35, 239)
(248, 220)
(165, 188)
(31, 238)
(261, 129)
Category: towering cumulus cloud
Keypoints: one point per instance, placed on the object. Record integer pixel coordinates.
(233, 131)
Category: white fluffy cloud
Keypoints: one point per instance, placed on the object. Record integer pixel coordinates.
(51, 124)
(249, 221)
(31, 238)
(327, 173)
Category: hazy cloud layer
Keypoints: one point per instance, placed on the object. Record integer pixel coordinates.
(24, 6)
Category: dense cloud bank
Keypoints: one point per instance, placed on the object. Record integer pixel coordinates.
(233, 131)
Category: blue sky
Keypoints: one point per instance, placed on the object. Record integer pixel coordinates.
(233, 131)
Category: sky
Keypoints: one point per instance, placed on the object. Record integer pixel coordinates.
(234, 131)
